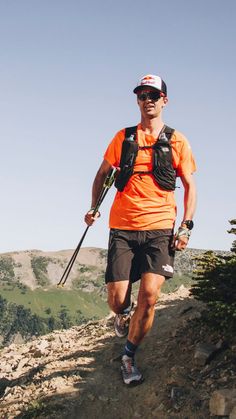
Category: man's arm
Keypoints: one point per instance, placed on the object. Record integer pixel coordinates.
(98, 182)
(190, 199)
(190, 196)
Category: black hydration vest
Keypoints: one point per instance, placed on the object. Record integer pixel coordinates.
(162, 167)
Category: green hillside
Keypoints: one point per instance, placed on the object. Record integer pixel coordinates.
(40, 301)
(40, 311)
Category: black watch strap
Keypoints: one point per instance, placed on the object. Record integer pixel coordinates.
(188, 223)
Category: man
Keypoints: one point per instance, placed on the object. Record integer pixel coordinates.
(142, 217)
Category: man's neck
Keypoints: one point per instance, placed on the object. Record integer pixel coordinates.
(152, 126)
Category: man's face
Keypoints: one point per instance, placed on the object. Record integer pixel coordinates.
(151, 102)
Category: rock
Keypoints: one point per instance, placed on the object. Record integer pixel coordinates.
(37, 353)
(182, 292)
(137, 415)
(114, 399)
(5, 367)
(91, 397)
(204, 353)
(222, 402)
(209, 382)
(174, 333)
(18, 339)
(177, 393)
(42, 345)
(195, 315)
(221, 344)
(103, 398)
(22, 363)
(233, 413)
(157, 410)
(186, 310)
(59, 384)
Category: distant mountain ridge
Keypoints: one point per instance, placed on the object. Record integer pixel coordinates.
(36, 268)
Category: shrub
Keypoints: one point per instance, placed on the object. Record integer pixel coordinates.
(39, 265)
(6, 269)
(16, 318)
(215, 285)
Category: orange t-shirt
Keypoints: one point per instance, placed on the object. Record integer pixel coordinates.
(143, 205)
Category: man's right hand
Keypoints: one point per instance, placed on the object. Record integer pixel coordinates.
(90, 217)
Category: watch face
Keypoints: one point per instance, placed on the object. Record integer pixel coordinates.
(189, 224)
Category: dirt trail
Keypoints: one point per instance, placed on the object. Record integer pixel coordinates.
(105, 396)
(76, 374)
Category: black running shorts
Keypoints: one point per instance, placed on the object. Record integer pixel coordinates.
(132, 253)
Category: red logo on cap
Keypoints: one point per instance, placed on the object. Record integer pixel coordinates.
(148, 79)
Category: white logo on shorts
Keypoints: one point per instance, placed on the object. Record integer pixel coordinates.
(168, 268)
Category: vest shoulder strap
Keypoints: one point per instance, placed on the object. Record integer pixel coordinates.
(131, 131)
(166, 131)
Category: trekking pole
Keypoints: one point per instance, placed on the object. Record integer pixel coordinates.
(106, 186)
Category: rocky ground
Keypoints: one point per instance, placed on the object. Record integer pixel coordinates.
(76, 373)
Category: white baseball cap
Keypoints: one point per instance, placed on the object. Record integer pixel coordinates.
(150, 80)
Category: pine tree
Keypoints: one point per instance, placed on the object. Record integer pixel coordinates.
(233, 231)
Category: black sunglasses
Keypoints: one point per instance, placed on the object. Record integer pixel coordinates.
(155, 96)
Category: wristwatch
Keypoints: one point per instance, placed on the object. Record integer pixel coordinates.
(188, 223)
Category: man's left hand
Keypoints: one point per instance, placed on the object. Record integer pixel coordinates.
(181, 238)
(180, 243)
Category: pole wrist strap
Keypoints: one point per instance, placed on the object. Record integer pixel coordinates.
(97, 211)
(183, 232)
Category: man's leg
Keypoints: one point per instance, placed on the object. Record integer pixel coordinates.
(141, 322)
(119, 295)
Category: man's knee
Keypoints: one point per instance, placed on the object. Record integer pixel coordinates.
(150, 289)
(147, 300)
(118, 296)
(116, 303)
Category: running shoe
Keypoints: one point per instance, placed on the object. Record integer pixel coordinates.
(130, 372)
(121, 322)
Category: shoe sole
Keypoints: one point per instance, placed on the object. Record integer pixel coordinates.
(134, 382)
(123, 335)
(119, 335)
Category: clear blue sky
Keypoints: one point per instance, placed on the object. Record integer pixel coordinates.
(67, 71)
